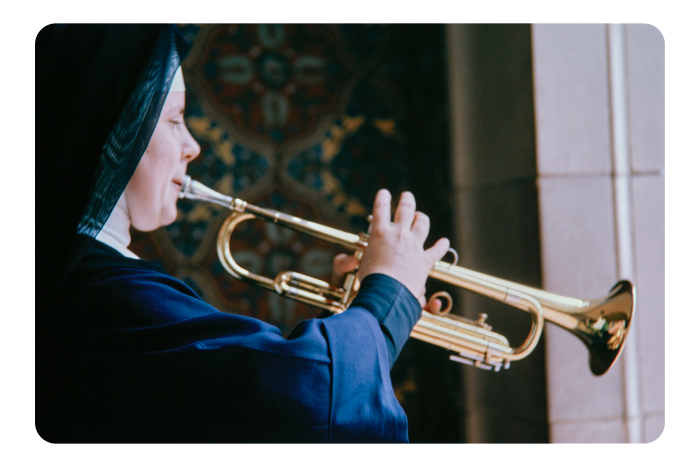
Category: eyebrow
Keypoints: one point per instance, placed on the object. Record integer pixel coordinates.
(175, 111)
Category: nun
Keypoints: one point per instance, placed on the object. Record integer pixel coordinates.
(127, 353)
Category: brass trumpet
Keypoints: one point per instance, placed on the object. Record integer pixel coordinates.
(602, 324)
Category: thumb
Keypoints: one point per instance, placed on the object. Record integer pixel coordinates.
(343, 264)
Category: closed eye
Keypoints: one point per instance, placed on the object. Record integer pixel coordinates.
(178, 118)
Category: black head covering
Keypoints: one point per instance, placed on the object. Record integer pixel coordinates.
(99, 93)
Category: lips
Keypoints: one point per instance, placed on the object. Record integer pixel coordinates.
(177, 185)
(178, 181)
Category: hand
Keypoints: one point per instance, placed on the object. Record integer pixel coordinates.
(396, 249)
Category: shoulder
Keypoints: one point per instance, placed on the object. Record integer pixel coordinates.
(111, 285)
(120, 304)
(100, 257)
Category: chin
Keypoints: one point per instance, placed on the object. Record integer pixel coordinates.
(154, 221)
(168, 217)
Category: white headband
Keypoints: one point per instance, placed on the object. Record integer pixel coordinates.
(178, 84)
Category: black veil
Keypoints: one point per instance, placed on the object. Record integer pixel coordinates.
(99, 93)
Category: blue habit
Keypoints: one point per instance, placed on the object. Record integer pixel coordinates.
(137, 356)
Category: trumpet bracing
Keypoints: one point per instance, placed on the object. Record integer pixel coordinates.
(602, 324)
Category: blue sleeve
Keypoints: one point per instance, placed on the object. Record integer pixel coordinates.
(394, 307)
(143, 358)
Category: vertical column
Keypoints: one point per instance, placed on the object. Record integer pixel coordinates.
(623, 216)
(598, 114)
(495, 218)
(644, 61)
(577, 219)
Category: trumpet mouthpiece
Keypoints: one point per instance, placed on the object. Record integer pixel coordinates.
(184, 186)
(192, 189)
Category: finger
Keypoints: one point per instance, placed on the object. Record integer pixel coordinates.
(421, 300)
(406, 210)
(433, 306)
(381, 212)
(438, 250)
(421, 226)
(343, 264)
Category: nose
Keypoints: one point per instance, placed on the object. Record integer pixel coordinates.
(190, 148)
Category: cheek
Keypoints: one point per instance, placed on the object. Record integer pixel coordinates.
(151, 194)
(156, 166)
(139, 199)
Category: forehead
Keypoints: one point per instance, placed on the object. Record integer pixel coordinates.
(175, 102)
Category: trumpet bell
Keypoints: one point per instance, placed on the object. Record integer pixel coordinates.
(605, 327)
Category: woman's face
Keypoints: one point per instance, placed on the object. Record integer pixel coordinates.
(152, 192)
